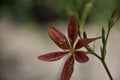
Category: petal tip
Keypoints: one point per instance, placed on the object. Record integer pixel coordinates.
(73, 29)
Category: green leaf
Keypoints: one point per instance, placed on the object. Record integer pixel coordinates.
(101, 49)
(114, 17)
(103, 35)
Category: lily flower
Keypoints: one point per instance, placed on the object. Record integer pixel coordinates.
(69, 47)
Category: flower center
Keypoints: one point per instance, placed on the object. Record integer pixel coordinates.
(72, 50)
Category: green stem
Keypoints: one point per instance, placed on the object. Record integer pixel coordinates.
(92, 52)
(86, 10)
(85, 13)
(78, 19)
(84, 16)
(104, 64)
(107, 70)
(105, 44)
(102, 61)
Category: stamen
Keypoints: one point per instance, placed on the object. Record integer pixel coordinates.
(62, 41)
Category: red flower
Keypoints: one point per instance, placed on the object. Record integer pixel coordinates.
(68, 46)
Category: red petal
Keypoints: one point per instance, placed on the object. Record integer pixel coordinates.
(53, 56)
(84, 42)
(68, 69)
(58, 38)
(81, 57)
(73, 29)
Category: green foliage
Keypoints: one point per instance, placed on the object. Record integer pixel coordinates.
(114, 17)
(62, 9)
(105, 35)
